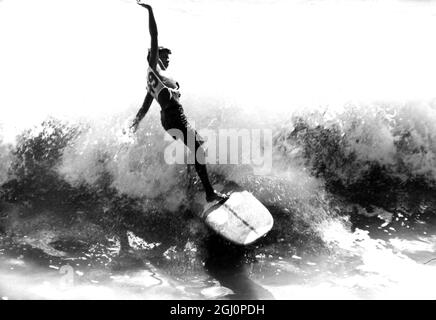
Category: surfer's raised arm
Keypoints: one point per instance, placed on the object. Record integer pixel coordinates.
(154, 50)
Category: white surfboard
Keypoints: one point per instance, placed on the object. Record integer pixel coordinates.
(242, 219)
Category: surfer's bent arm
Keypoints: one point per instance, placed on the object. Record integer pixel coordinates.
(152, 27)
(143, 111)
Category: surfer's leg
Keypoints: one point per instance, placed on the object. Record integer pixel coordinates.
(200, 166)
(190, 135)
(176, 119)
(200, 162)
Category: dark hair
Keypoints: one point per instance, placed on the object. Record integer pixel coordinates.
(160, 50)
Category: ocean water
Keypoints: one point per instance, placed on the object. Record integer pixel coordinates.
(345, 88)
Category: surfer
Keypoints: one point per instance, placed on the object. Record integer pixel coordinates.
(166, 92)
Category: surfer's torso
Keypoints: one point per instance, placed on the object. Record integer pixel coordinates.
(166, 92)
(157, 84)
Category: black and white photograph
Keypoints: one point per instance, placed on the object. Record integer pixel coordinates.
(217, 151)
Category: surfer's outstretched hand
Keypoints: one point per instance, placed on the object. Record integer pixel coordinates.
(134, 126)
(147, 6)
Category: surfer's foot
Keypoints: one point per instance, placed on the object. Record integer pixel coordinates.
(216, 196)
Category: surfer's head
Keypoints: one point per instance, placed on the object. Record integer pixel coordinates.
(164, 57)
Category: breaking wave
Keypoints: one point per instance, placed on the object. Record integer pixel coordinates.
(367, 157)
